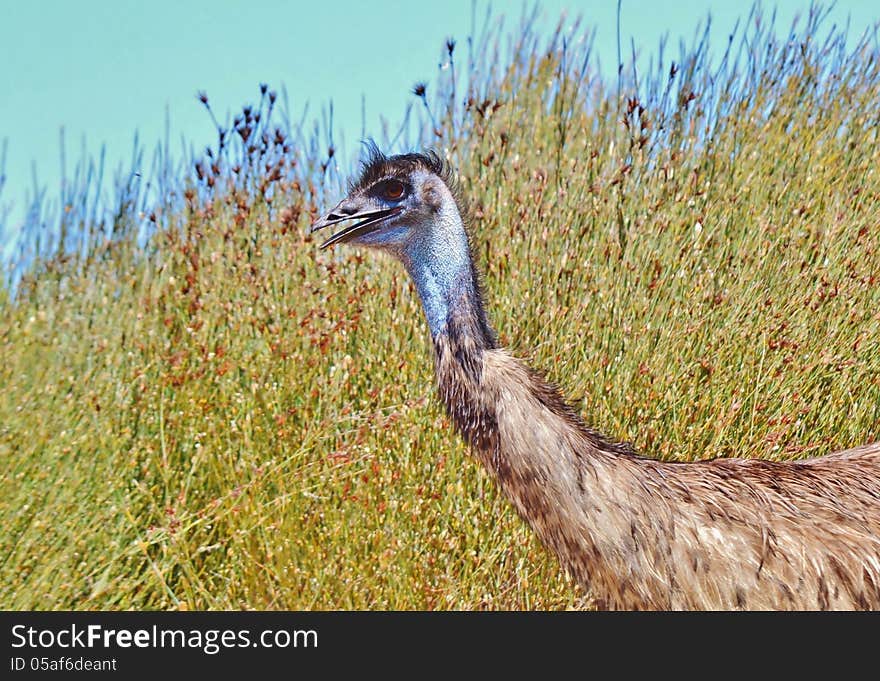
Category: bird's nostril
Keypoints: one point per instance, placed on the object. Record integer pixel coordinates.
(347, 210)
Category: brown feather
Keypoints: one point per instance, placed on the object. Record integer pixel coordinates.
(639, 533)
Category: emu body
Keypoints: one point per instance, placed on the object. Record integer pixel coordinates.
(636, 532)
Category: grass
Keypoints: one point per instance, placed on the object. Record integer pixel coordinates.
(217, 415)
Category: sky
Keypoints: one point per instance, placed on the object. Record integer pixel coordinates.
(103, 69)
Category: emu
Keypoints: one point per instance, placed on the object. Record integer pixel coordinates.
(636, 532)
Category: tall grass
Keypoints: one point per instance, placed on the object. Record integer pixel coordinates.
(199, 410)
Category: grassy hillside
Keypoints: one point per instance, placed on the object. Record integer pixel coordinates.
(220, 416)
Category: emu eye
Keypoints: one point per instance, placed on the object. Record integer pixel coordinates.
(393, 190)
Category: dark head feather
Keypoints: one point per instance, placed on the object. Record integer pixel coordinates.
(377, 166)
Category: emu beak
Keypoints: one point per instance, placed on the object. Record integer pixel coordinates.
(368, 221)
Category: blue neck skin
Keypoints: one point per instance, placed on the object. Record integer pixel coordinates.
(443, 275)
(441, 296)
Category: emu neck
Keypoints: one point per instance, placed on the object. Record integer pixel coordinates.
(442, 269)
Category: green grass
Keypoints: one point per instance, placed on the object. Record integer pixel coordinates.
(224, 417)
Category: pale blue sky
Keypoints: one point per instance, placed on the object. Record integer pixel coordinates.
(105, 68)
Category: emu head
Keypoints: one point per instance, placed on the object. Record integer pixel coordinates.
(401, 204)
